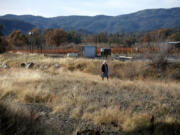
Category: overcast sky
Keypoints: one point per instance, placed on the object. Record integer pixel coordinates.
(52, 8)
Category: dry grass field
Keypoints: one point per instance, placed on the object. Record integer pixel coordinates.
(65, 96)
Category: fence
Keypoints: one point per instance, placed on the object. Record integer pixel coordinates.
(114, 50)
(48, 51)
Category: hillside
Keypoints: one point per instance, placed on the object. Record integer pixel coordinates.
(144, 20)
(10, 25)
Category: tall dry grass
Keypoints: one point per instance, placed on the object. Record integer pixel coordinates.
(123, 70)
(121, 105)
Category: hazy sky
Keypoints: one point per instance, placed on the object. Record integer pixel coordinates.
(52, 8)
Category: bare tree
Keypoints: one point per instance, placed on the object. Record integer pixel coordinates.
(160, 58)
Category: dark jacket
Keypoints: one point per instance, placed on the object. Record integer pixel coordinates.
(104, 68)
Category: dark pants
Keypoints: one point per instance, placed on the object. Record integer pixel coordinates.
(104, 74)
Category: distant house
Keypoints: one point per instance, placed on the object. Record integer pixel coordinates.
(105, 52)
(90, 51)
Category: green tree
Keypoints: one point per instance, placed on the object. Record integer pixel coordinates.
(3, 45)
(101, 37)
(73, 37)
(1, 30)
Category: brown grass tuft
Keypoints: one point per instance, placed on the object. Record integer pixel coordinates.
(38, 96)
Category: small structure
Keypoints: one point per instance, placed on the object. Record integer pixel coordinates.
(90, 51)
(123, 58)
(175, 43)
(72, 54)
(105, 52)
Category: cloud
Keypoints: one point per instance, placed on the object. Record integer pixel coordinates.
(170, 3)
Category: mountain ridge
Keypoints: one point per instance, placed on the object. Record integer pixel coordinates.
(144, 20)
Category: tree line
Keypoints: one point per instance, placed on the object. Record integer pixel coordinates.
(37, 38)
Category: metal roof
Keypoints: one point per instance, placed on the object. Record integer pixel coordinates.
(174, 42)
(88, 45)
